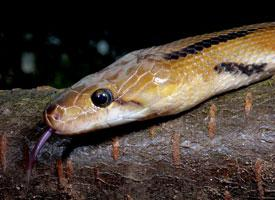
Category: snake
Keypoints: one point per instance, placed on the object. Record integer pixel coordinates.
(162, 80)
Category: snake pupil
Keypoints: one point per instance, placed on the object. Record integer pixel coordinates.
(102, 97)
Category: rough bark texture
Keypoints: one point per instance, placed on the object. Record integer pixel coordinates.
(222, 149)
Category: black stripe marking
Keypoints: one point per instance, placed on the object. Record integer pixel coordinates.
(241, 68)
(200, 46)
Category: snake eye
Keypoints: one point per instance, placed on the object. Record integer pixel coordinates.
(102, 97)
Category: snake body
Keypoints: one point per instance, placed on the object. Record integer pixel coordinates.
(167, 79)
(163, 80)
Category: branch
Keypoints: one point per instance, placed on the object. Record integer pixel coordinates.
(222, 149)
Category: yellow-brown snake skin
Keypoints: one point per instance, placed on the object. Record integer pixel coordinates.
(165, 80)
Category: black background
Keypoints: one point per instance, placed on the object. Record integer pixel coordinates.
(125, 27)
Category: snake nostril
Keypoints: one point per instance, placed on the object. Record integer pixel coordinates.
(52, 112)
(56, 116)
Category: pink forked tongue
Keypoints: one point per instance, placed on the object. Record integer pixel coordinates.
(36, 149)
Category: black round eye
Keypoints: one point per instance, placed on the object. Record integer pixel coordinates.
(102, 97)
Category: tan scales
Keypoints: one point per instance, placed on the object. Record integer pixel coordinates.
(148, 83)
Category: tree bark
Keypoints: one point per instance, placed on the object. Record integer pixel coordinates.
(224, 148)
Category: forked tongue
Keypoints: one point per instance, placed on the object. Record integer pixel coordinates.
(36, 149)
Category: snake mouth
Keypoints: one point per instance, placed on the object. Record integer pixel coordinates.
(48, 119)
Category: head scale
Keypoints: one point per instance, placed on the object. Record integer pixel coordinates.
(121, 93)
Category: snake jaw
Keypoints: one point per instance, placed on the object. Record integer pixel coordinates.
(36, 149)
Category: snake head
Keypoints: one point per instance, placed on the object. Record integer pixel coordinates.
(122, 93)
(79, 111)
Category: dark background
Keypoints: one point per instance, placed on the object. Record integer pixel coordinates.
(58, 48)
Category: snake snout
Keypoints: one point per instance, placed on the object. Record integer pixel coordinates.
(52, 115)
(51, 110)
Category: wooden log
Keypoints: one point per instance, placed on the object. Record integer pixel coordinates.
(224, 148)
